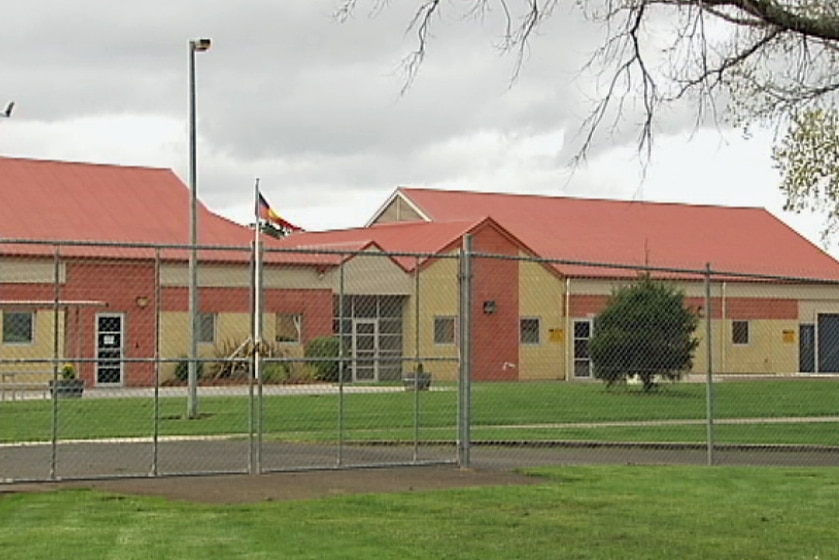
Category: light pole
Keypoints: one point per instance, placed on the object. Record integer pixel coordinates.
(195, 45)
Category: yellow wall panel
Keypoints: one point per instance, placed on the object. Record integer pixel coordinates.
(541, 295)
(438, 297)
(41, 348)
(30, 271)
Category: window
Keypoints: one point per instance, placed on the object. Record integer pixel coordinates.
(289, 327)
(18, 327)
(207, 327)
(530, 331)
(444, 330)
(740, 332)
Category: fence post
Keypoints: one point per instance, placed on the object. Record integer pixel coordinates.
(416, 357)
(465, 378)
(709, 379)
(341, 364)
(157, 309)
(54, 395)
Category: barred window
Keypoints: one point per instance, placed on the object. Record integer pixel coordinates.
(18, 327)
(740, 332)
(207, 327)
(530, 330)
(444, 330)
(289, 327)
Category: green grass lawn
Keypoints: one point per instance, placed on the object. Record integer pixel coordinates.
(582, 513)
(539, 411)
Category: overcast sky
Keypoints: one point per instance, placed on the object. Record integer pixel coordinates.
(313, 108)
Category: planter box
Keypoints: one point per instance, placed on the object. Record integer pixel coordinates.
(67, 388)
(420, 381)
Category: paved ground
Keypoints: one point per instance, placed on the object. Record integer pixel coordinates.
(492, 465)
(234, 489)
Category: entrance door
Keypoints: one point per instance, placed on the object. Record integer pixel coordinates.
(582, 358)
(109, 349)
(827, 348)
(365, 350)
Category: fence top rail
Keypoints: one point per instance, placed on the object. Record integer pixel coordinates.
(47, 303)
(699, 273)
(330, 251)
(343, 253)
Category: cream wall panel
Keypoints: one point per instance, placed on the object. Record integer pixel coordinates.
(405, 212)
(25, 271)
(767, 350)
(785, 291)
(40, 349)
(176, 274)
(439, 297)
(700, 356)
(239, 276)
(397, 211)
(588, 286)
(295, 277)
(373, 274)
(730, 289)
(390, 213)
(232, 329)
(808, 311)
(541, 294)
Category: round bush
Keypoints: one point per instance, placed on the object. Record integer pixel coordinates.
(321, 348)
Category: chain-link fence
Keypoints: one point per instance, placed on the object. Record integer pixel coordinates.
(352, 356)
(593, 362)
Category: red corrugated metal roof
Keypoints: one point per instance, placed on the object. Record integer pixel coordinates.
(68, 201)
(421, 238)
(746, 240)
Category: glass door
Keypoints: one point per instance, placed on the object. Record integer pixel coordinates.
(582, 358)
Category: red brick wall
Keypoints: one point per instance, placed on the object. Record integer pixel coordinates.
(735, 308)
(496, 336)
(119, 283)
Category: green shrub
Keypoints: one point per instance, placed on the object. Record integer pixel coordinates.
(275, 372)
(182, 369)
(230, 364)
(646, 330)
(325, 347)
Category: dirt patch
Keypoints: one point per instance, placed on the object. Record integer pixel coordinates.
(239, 489)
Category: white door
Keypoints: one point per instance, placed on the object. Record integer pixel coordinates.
(365, 350)
(109, 349)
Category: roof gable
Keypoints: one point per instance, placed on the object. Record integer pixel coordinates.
(748, 240)
(409, 238)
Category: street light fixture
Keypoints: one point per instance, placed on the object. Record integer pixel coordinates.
(195, 45)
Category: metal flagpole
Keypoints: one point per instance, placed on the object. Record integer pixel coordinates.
(257, 326)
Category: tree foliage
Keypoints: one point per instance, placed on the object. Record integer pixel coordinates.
(808, 160)
(751, 62)
(645, 330)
